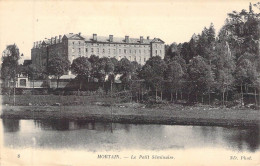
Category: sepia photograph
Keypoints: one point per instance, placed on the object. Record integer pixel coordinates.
(129, 83)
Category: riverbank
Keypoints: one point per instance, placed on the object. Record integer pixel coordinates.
(168, 114)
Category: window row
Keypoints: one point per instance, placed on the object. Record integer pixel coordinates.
(120, 51)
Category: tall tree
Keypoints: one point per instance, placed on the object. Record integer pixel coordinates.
(245, 74)
(9, 67)
(224, 68)
(200, 76)
(174, 75)
(153, 73)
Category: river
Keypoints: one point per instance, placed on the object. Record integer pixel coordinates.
(95, 136)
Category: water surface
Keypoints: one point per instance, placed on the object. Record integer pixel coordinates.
(93, 136)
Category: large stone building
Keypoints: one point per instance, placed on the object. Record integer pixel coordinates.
(72, 46)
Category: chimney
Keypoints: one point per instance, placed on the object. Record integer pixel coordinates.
(127, 39)
(95, 37)
(37, 44)
(141, 39)
(34, 45)
(51, 40)
(110, 38)
(55, 40)
(59, 38)
(148, 38)
(40, 43)
(79, 33)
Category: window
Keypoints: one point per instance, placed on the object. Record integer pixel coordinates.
(79, 50)
(160, 51)
(144, 59)
(114, 51)
(79, 42)
(125, 51)
(86, 49)
(73, 43)
(98, 50)
(130, 51)
(119, 51)
(135, 58)
(92, 50)
(72, 50)
(156, 52)
(103, 50)
(109, 51)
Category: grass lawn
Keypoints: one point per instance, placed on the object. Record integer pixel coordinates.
(89, 108)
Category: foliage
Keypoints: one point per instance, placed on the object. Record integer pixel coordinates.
(57, 67)
(9, 66)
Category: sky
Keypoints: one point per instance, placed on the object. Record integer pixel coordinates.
(23, 22)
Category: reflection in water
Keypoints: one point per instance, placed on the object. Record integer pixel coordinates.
(95, 136)
(244, 138)
(11, 125)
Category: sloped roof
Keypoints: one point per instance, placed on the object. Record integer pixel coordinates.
(73, 36)
(104, 39)
(120, 39)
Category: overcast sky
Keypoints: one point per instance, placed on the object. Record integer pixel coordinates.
(23, 22)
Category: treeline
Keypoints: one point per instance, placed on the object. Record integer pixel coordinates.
(208, 67)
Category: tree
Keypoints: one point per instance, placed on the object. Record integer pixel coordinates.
(224, 68)
(174, 75)
(245, 74)
(153, 73)
(9, 67)
(200, 76)
(57, 67)
(94, 60)
(126, 69)
(81, 67)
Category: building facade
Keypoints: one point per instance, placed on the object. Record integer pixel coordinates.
(72, 46)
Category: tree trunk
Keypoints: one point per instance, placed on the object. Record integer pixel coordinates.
(58, 82)
(209, 97)
(227, 96)
(242, 96)
(80, 84)
(111, 88)
(156, 94)
(176, 95)
(255, 97)
(223, 97)
(171, 97)
(142, 97)
(161, 95)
